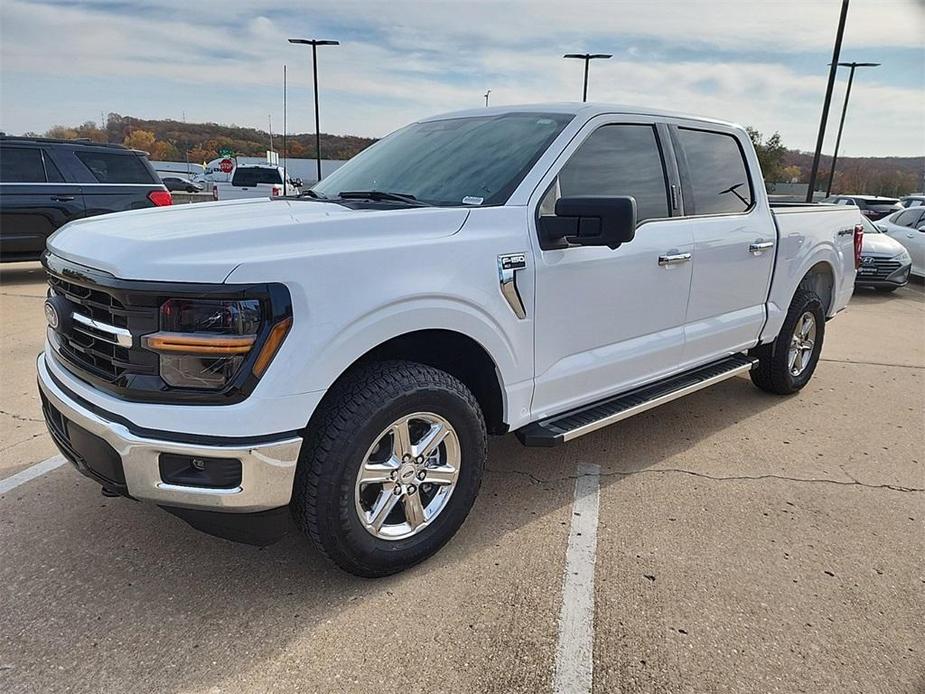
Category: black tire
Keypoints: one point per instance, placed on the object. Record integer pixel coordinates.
(887, 289)
(353, 415)
(772, 373)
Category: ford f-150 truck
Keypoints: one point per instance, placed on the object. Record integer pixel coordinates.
(342, 356)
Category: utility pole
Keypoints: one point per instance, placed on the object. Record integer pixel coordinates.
(588, 57)
(828, 100)
(270, 125)
(285, 130)
(314, 43)
(486, 97)
(841, 123)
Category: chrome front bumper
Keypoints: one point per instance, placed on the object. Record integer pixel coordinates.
(267, 469)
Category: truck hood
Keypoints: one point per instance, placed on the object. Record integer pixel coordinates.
(204, 242)
(880, 245)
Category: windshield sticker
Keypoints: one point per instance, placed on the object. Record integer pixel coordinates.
(472, 200)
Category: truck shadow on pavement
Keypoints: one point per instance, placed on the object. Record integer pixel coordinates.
(104, 580)
(17, 274)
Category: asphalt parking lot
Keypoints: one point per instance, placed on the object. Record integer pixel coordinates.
(745, 543)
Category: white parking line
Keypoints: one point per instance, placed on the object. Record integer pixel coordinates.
(30, 473)
(575, 653)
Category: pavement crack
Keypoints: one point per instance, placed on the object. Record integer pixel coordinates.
(20, 418)
(873, 363)
(23, 296)
(716, 478)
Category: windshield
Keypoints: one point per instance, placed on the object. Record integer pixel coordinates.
(254, 176)
(478, 160)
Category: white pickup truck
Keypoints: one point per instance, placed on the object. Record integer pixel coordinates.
(255, 181)
(542, 270)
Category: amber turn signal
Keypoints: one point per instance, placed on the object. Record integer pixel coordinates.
(277, 334)
(200, 344)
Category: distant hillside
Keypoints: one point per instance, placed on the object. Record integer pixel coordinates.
(170, 140)
(872, 175)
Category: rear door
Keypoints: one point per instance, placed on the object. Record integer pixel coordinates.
(607, 320)
(114, 180)
(34, 200)
(734, 241)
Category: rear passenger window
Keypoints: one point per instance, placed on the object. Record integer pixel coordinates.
(21, 165)
(616, 160)
(717, 171)
(54, 175)
(115, 168)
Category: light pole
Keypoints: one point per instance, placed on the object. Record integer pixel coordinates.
(314, 43)
(486, 95)
(841, 123)
(587, 57)
(810, 189)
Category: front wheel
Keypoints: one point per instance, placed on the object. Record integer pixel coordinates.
(391, 467)
(786, 364)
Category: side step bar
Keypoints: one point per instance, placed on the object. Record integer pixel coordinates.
(583, 420)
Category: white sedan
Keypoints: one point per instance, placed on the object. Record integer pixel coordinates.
(908, 228)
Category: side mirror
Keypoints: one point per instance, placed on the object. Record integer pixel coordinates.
(297, 182)
(600, 220)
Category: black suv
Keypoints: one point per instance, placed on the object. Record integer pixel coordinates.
(46, 183)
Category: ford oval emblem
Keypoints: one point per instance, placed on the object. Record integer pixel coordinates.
(51, 315)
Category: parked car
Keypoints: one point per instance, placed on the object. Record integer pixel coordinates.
(912, 201)
(873, 207)
(546, 270)
(255, 181)
(182, 184)
(908, 228)
(885, 263)
(47, 183)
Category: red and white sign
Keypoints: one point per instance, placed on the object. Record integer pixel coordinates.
(226, 165)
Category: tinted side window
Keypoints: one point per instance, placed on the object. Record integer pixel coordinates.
(21, 165)
(51, 170)
(717, 170)
(617, 160)
(907, 218)
(115, 168)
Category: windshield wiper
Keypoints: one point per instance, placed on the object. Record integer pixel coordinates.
(381, 195)
(309, 193)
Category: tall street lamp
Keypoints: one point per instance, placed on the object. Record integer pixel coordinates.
(841, 124)
(833, 67)
(587, 57)
(314, 43)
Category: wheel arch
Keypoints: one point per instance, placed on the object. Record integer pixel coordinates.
(451, 351)
(820, 279)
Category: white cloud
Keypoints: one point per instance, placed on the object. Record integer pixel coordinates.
(407, 59)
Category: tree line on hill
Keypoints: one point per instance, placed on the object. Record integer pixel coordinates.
(170, 140)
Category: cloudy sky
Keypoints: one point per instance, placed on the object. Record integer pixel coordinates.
(757, 62)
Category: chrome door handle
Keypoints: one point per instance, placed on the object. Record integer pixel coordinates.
(62, 198)
(674, 259)
(760, 246)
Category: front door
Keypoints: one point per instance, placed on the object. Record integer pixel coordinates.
(607, 320)
(34, 201)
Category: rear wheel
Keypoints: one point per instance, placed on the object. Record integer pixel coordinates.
(391, 467)
(786, 364)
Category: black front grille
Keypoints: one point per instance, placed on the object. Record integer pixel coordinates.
(877, 268)
(90, 352)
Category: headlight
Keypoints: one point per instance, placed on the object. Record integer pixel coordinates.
(204, 343)
(903, 257)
